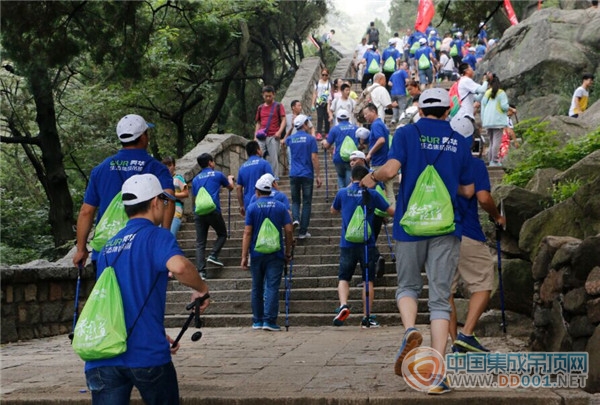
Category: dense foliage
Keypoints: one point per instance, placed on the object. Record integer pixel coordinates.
(543, 148)
(73, 68)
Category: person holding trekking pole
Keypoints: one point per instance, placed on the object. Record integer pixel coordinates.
(349, 202)
(439, 164)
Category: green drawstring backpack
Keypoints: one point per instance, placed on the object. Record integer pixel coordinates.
(348, 146)
(267, 240)
(204, 202)
(355, 232)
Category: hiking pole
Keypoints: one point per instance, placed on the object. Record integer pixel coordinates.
(500, 284)
(229, 216)
(389, 241)
(196, 306)
(365, 195)
(288, 286)
(79, 271)
(326, 177)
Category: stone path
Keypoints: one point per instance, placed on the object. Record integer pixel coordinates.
(325, 365)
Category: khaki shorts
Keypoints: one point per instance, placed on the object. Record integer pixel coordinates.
(475, 266)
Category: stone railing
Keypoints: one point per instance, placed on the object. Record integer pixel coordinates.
(38, 298)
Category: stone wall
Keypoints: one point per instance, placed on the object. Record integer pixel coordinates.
(40, 301)
(566, 299)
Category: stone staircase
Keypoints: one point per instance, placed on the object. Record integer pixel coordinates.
(315, 267)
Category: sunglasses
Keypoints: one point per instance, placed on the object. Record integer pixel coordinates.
(164, 199)
(324, 74)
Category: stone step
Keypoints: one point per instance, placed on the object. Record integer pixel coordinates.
(301, 294)
(325, 307)
(295, 320)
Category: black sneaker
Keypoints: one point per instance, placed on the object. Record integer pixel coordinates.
(203, 275)
(342, 314)
(213, 259)
(371, 322)
(380, 267)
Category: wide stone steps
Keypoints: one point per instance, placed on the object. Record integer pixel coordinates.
(315, 267)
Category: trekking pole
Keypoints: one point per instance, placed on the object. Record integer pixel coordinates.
(229, 216)
(288, 287)
(196, 314)
(389, 241)
(366, 238)
(500, 283)
(326, 177)
(78, 286)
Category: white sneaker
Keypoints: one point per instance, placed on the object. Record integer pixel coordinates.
(304, 236)
(295, 224)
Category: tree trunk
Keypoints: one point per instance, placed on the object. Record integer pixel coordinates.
(54, 179)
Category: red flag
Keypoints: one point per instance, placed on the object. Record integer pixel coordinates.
(510, 12)
(424, 15)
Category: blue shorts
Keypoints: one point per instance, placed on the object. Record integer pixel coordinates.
(349, 257)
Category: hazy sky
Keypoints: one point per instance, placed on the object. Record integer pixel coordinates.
(356, 15)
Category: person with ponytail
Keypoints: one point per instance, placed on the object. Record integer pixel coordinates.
(494, 109)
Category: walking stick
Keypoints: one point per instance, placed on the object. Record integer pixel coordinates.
(196, 314)
(500, 283)
(389, 241)
(77, 288)
(229, 216)
(288, 287)
(365, 196)
(326, 177)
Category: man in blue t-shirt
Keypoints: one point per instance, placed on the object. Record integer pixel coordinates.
(424, 62)
(212, 181)
(275, 193)
(389, 60)
(267, 253)
(475, 265)
(303, 171)
(379, 141)
(336, 137)
(142, 254)
(249, 173)
(372, 63)
(398, 82)
(431, 141)
(107, 178)
(470, 58)
(346, 202)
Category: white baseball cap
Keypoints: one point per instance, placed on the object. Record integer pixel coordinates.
(142, 187)
(436, 97)
(131, 127)
(363, 133)
(300, 120)
(357, 155)
(463, 125)
(342, 114)
(422, 41)
(265, 182)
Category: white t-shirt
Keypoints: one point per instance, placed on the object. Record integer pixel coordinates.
(381, 98)
(468, 90)
(348, 105)
(446, 63)
(580, 93)
(360, 51)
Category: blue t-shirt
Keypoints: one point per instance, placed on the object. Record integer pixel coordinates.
(469, 207)
(480, 51)
(249, 174)
(459, 45)
(482, 34)
(415, 152)
(369, 56)
(302, 146)
(139, 254)
(347, 199)
(267, 207)
(212, 181)
(108, 177)
(336, 136)
(471, 60)
(391, 52)
(276, 194)
(398, 80)
(423, 50)
(379, 130)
